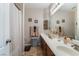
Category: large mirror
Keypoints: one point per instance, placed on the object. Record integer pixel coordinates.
(66, 17)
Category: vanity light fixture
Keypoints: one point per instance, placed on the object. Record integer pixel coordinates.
(55, 8)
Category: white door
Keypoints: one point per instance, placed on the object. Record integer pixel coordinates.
(10, 30)
(15, 30)
(4, 29)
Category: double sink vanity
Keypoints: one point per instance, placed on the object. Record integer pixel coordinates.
(63, 26)
(55, 46)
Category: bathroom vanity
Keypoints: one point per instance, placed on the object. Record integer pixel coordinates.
(56, 46)
(45, 48)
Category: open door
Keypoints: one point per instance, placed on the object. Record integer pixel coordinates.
(4, 30)
(16, 30)
(10, 30)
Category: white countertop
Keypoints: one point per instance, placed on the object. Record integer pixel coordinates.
(53, 43)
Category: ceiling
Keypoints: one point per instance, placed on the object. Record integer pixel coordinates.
(68, 7)
(37, 5)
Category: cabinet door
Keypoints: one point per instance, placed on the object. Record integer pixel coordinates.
(49, 52)
(45, 49)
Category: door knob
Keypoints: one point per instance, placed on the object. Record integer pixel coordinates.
(8, 41)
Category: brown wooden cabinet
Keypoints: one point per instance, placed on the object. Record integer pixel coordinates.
(45, 48)
(49, 52)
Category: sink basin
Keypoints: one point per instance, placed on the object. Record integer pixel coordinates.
(67, 51)
(75, 42)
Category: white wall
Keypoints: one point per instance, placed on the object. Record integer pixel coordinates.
(35, 14)
(68, 26)
(46, 17)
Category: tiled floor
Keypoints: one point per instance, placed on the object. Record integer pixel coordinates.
(34, 51)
